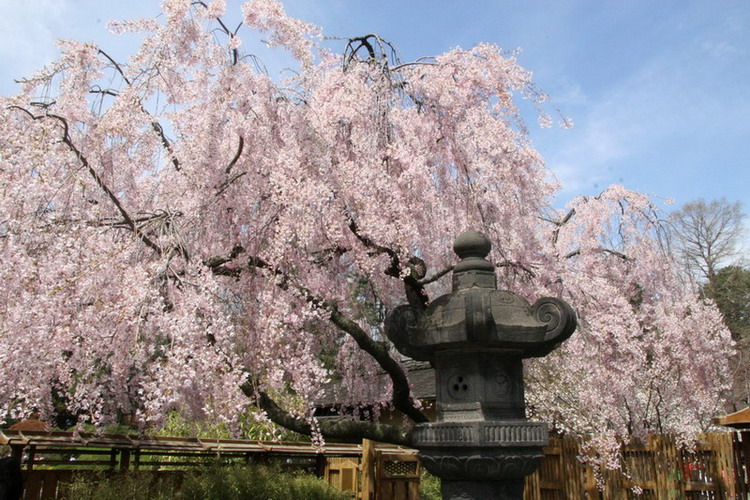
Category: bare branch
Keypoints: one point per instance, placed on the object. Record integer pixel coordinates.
(435, 277)
(117, 67)
(707, 234)
(230, 34)
(614, 253)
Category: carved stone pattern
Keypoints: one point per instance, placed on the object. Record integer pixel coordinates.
(503, 386)
(480, 467)
(458, 386)
(484, 434)
(439, 434)
(559, 317)
(514, 433)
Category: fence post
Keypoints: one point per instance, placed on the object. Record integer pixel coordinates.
(124, 459)
(320, 465)
(16, 451)
(30, 460)
(741, 448)
(670, 482)
(722, 446)
(367, 465)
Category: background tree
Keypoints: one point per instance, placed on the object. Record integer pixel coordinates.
(181, 232)
(707, 235)
(729, 288)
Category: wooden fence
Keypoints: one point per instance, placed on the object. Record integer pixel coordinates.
(51, 460)
(656, 470)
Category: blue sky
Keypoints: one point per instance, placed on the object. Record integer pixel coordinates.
(659, 91)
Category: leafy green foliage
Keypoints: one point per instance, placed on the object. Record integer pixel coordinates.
(213, 483)
(132, 486)
(175, 425)
(257, 483)
(730, 289)
(429, 486)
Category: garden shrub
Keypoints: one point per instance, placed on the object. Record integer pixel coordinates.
(257, 483)
(429, 486)
(97, 485)
(211, 483)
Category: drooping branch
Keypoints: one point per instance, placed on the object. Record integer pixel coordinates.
(127, 219)
(346, 430)
(230, 34)
(614, 253)
(155, 125)
(415, 291)
(378, 50)
(117, 66)
(237, 155)
(165, 142)
(401, 395)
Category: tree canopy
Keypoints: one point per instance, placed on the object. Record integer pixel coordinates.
(181, 231)
(706, 235)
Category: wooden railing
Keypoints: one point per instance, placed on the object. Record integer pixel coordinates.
(658, 469)
(50, 460)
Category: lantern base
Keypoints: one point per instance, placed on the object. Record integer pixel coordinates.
(482, 490)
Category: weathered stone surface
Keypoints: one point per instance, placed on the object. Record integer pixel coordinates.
(482, 490)
(477, 337)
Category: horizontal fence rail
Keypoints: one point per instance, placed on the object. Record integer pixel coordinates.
(51, 460)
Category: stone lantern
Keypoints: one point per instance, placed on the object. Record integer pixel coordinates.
(481, 445)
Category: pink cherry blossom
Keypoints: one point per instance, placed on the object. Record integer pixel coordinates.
(180, 231)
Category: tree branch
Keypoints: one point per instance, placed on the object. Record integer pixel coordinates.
(155, 125)
(401, 395)
(415, 291)
(436, 276)
(220, 260)
(225, 185)
(165, 142)
(603, 250)
(127, 220)
(237, 155)
(353, 431)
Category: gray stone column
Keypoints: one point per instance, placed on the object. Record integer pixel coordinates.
(481, 446)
